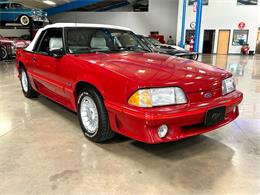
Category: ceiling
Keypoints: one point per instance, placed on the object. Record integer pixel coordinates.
(103, 5)
(39, 3)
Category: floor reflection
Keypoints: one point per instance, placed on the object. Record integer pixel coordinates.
(246, 71)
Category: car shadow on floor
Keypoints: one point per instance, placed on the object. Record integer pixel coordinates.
(195, 163)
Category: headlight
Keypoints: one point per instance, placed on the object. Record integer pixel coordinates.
(45, 14)
(34, 12)
(228, 86)
(148, 98)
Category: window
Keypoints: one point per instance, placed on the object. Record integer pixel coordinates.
(240, 37)
(153, 41)
(4, 5)
(89, 40)
(16, 5)
(51, 40)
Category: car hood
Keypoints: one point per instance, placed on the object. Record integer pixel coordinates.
(158, 70)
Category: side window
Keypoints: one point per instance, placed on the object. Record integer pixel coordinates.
(16, 5)
(88, 40)
(4, 6)
(51, 40)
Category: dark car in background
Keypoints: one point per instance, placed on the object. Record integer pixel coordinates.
(16, 13)
(157, 47)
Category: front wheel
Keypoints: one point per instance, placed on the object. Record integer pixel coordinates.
(3, 54)
(93, 116)
(24, 20)
(28, 91)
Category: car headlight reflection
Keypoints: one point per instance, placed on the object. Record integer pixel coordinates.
(148, 98)
(228, 86)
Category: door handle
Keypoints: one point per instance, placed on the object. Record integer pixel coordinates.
(34, 59)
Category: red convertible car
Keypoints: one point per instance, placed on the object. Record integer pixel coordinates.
(105, 74)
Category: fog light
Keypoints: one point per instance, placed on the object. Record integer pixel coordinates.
(162, 131)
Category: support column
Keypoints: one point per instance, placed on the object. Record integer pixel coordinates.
(198, 25)
(182, 44)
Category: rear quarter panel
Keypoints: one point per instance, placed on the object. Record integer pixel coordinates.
(25, 58)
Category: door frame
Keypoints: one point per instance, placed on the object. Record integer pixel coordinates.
(213, 40)
(228, 39)
(258, 32)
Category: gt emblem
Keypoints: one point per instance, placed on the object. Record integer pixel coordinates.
(208, 95)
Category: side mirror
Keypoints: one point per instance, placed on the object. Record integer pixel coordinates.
(57, 53)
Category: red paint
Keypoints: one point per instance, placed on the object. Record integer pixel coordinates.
(241, 25)
(117, 76)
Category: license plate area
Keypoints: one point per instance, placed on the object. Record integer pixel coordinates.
(215, 115)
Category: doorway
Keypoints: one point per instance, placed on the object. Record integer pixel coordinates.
(208, 41)
(223, 42)
(257, 50)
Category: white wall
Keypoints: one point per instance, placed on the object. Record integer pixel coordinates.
(162, 17)
(224, 14)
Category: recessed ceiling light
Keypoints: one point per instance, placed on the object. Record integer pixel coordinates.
(48, 2)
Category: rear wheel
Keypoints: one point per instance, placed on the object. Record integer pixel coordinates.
(24, 20)
(28, 91)
(93, 116)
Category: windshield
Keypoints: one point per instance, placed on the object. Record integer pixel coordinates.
(153, 41)
(89, 40)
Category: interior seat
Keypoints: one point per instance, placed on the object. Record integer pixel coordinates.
(55, 43)
(98, 42)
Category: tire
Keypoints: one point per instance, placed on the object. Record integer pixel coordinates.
(24, 20)
(27, 89)
(93, 116)
(2, 23)
(4, 54)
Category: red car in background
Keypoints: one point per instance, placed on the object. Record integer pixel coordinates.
(9, 46)
(105, 74)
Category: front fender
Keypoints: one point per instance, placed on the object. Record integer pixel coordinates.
(18, 15)
(92, 81)
(110, 86)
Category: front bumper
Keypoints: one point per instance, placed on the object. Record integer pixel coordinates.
(182, 120)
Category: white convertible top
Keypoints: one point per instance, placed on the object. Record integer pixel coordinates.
(64, 25)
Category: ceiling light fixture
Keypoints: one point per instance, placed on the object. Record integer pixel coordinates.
(48, 2)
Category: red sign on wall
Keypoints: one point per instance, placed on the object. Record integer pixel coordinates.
(241, 25)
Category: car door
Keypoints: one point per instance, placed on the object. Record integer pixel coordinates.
(47, 67)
